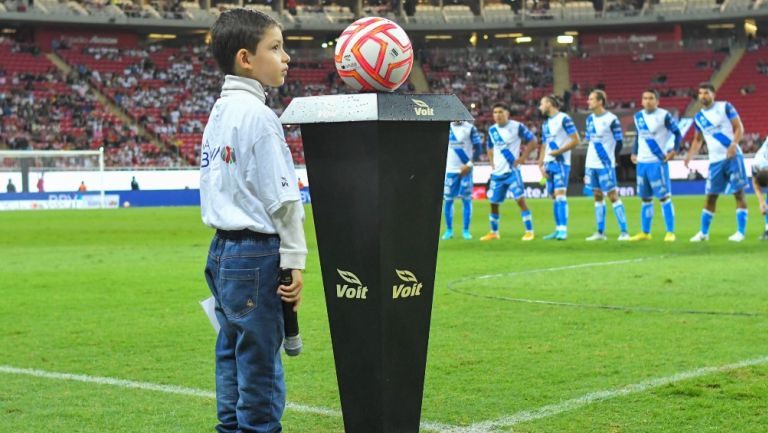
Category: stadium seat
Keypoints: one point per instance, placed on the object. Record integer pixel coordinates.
(458, 13)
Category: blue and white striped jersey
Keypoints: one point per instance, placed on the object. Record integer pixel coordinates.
(555, 133)
(654, 131)
(505, 142)
(463, 138)
(603, 132)
(714, 123)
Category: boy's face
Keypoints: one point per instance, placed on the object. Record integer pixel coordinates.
(269, 64)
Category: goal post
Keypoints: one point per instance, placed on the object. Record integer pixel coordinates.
(26, 156)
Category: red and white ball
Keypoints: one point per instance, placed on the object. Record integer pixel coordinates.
(374, 54)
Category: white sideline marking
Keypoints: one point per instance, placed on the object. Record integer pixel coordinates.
(561, 268)
(180, 390)
(599, 396)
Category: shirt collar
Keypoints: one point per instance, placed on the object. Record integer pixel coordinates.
(234, 85)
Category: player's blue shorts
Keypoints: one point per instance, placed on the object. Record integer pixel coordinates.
(728, 176)
(557, 176)
(603, 179)
(457, 186)
(500, 184)
(653, 180)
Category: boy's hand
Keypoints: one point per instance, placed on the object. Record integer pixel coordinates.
(763, 207)
(292, 293)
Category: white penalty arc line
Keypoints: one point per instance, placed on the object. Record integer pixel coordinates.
(180, 390)
(599, 396)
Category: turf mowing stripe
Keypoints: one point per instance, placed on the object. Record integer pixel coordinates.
(451, 286)
(180, 390)
(599, 396)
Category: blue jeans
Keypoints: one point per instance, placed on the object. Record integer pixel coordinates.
(250, 386)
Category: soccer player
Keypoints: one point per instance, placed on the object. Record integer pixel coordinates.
(558, 137)
(760, 182)
(655, 126)
(605, 142)
(505, 138)
(718, 124)
(463, 139)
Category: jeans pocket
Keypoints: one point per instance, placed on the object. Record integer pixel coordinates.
(239, 291)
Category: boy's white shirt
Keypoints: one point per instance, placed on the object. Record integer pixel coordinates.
(247, 177)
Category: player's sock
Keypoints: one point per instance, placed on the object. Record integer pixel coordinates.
(527, 220)
(766, 216)
(706, 221)
(646, 216)
(563, 211)
(448, 209)
(621, 215)
(600, 216)
(741, 220)
(467, 213)
(495, 222)
(556, 211)
(669, 214)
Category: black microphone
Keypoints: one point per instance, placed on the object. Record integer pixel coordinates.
(292, 343)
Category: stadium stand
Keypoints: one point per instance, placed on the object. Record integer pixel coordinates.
(624, 76)
(745, 89)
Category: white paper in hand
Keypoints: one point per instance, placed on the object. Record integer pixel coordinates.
(209, 307)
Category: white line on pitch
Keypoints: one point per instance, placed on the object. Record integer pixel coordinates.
(179, 390)
(599, 396)
(561, 268)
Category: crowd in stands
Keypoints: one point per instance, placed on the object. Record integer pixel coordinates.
(482, 77)
(168, 93)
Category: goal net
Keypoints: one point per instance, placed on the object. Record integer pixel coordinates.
(53, 179)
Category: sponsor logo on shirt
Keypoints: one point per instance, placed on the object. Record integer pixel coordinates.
(228, 155)
(411, 288)
(354, 289)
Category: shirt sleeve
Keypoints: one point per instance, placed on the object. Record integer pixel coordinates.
(270, 175)
(671, 124)
(525, 134)
(475, 137)
(730, 111)
(568, 125)
(618, 134)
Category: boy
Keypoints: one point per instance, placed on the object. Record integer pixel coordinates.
(505, 139)
(249, 194)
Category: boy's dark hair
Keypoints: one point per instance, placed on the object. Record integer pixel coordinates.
(601, 96)
(762, 178)
(554, 100)
(500, 105)
(234, 30)
(707, 85)
(654, 92)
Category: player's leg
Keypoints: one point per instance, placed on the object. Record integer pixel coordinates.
(556, 187)
(645, 192)
(551, 193)
(450, 192)
(466, 199)
(667, 208)
(765, 214)
(518, 191)
(620, 213)
(716, 184)
(737, 182)
(593, 181)
(498, 192)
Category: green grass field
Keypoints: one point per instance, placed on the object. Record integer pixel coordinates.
(115, 294)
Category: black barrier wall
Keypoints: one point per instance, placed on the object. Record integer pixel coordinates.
(376, 164)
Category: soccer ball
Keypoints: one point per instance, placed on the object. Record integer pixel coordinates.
(374, 54)
(126, 204)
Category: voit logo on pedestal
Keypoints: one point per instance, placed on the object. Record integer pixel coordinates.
(422, 108)
(411, 288)
(354, 289)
